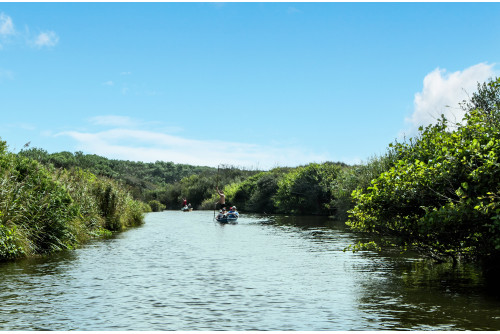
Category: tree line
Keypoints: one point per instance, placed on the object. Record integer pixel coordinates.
(138, 177)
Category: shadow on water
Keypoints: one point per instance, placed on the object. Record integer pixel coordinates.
(407, 291)
(422, 295)
(51, 264)
(303, 222)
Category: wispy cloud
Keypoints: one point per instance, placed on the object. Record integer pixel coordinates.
(108, 83)
(149, 146)
(9, 34)
(442, 93)
(113, 120)
(46, 39)
(6, 29)
(6, 25)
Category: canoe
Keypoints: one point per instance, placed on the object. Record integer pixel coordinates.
(187, 210)
(225, 220)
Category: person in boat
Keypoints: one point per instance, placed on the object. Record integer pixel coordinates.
(189, 206)
(221, 214)
(184, 202)
(232, 213)
(222, 198)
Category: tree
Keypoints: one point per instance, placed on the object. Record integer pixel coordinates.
(486, 99)
(306, 189)
(442, 195)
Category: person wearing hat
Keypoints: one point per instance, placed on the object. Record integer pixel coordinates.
(221, 214)
(232, 211)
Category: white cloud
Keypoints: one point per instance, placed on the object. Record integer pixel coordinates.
(112, 120)
(108, 83)
(6, 25)
(43, 39)
(442, 92)
(48, 38)
(148, 146)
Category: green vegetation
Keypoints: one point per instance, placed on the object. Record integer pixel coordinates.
(306, 189)
(198, 188)
(441, 194)
(138, 177)
(351, 178)
(45, 209)
(156, 206)
(301, 190)
(255, 194)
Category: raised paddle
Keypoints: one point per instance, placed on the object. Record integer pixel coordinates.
(217, 185)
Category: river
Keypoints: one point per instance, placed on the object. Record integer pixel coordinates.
(183, 271)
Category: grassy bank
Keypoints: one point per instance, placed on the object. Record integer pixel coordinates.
(44, 209)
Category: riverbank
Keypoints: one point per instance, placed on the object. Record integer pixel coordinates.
(44, 209)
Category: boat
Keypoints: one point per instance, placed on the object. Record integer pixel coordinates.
(187, 209)
(229, 219)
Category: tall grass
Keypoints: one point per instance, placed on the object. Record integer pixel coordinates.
(43, 209)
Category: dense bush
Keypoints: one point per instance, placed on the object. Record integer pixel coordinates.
(255, 194)
(442, 195)
(34, 205)
(351, 178)
(156, 206)
(44, 209)
(306, 189)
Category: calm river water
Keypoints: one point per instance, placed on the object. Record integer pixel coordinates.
(183, 271)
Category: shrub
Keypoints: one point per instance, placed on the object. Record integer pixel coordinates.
(156, 206)
(442, 195)
(10, 247)
(306, 189)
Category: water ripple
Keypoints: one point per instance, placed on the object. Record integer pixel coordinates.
(184, 272)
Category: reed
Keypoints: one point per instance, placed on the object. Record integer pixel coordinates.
(44, 209)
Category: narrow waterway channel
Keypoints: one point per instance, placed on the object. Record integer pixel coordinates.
(183, 271)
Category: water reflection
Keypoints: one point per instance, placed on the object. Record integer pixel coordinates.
(420, 295)
(184, 272)
(402, 291)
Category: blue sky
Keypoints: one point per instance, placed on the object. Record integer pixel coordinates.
(255, 85)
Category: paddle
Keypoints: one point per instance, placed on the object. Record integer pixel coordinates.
(217, 185)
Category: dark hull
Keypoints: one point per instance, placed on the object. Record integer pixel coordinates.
(227, 220)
